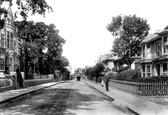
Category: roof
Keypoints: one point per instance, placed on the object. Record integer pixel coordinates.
(165, 31)
(150, 37)
(111, 58)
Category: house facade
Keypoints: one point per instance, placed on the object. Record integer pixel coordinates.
(154, 58)
(111, 61)
(9, 45)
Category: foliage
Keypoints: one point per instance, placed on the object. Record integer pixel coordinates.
(89, 71)
(119, 69)
(98, 69)
(94, 71)
(129, 75)
(162, 78)
(24, 7)
(113, 75)
(129, 32)
(36, 36)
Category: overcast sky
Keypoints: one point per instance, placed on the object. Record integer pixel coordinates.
(82, 23)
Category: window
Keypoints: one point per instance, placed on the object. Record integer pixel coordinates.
(11, 38)
(8, 39)
(2, 64)
(14, 48)
(2, 40)
(164, 68)
(158, 49)
(148, 51)
(148, 71)
(165, 50)
(143, 50)
(143, 71)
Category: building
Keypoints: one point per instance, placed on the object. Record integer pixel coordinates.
(154, 58)
(9, 45)
(111, 61)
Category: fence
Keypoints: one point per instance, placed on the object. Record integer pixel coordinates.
(9, 82)
(141, 89)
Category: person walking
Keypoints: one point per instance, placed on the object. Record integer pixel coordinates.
(102, 81)
(19, 78)
(107, 78)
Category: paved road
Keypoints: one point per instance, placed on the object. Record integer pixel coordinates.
(69, 98)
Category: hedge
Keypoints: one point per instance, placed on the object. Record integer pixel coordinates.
(162, 78)
(129, 75)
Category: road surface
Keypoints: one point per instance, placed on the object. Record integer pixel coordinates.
(69, 98)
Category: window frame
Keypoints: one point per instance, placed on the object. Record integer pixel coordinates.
(165, 72)
(148, 73)
(158, 50)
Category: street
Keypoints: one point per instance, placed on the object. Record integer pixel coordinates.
(71, 97)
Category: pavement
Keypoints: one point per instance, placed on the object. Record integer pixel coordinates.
(121, 98)
(12, 94)
(130, 101)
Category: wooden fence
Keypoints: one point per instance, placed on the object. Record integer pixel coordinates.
(141, 89)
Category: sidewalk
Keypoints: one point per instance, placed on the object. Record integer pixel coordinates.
(126, 100)
(9, 95)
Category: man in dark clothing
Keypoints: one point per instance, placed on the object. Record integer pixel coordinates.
(19, 78)
(106, 79)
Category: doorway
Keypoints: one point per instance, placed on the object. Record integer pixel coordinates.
(158, 69)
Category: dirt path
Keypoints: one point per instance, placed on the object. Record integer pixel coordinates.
(69, 98)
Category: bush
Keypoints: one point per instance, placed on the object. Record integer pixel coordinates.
(162, 78)
(113, 75)
(129, 75)
(119, 69)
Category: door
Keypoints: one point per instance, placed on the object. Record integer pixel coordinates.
(158, 69)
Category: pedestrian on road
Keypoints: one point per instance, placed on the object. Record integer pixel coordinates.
(106, 79)
(19, 78)
(102, 81)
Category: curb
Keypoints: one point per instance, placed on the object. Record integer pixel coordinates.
(117, 104)
(9, 99)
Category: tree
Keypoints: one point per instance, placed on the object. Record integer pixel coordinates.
(25, 7)
(129, 32)
(36, 36)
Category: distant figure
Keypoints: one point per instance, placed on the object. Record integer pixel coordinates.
(106, 79)
(102, 81)
(19, 78)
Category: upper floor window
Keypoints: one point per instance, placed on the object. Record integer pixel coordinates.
(143, 51)
(158, 49)
(11, 45)
(148, 51)
(7, 39)
(165, 50)
(2, 40)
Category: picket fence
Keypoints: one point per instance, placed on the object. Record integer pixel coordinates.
(141, 89)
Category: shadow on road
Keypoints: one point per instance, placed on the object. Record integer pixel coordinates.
(50, 102)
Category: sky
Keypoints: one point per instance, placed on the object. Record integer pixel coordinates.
(82, 23)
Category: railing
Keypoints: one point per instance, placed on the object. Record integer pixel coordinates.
(141, 89)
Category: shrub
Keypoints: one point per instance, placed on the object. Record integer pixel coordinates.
(129, 75)
(162, 78)
(113, 75)
(119, 69)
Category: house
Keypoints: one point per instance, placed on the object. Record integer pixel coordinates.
(154, 58)
(111, 61)
(9, 44)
